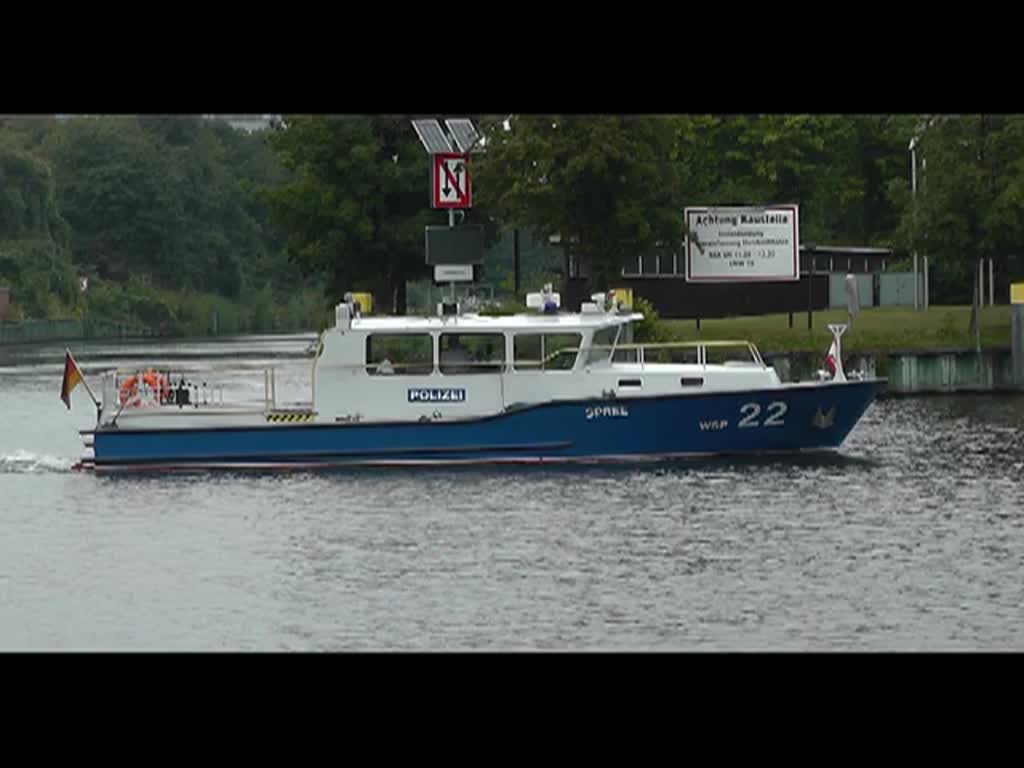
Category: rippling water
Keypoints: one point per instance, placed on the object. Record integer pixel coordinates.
(910, 539)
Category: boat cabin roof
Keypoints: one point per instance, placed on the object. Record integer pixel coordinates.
(553, 323)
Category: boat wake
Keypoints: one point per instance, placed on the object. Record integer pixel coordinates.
(23, 462)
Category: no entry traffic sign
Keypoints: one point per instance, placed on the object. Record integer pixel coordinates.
(451, 186)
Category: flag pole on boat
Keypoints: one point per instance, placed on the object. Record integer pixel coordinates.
(72, 376)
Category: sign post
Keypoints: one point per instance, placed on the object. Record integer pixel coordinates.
(810, 287)
(1017, 333)
(451, 189)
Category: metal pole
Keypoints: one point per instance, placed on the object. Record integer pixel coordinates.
(991, 284)
(981, 300)
(981, 283)
(916, 281)
(451, 225)
(515, 262)
(810, 290)
(926, 283)
(913, 193)
(1017, 343)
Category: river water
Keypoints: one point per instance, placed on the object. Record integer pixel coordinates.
(911, 538)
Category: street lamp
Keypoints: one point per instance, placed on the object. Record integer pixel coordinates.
(921, 128)
(913, 194)
(811, 249)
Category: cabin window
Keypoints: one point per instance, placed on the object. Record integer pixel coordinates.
(398, 354)
(728, 355)
(604, 339)
(546, 351)
(678, 355)
(463, 353)
(629, 354)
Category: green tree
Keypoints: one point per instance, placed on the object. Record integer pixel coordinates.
(357, 204)
(168, 202)
(256, 166)
(115, 188)
(836, 168)
(607, 185)
(34, 257)
(970, 198)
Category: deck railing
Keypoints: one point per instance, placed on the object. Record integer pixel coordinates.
(660, 352)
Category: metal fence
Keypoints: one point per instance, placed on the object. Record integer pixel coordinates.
(896, 289)
(837, 290)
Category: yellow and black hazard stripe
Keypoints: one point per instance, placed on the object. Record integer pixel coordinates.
(291, 417)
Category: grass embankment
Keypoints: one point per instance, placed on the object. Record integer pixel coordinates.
(875, 329)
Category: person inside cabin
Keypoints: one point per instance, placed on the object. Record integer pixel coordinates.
(454, 358)
(385, 367)
(488, 360)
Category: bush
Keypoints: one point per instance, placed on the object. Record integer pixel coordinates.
(650, 330)
(507, 307)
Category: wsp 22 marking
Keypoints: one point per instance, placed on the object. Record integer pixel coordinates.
(715, 425)
(751, 411)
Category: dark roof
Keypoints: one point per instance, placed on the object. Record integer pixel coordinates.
(844, 250)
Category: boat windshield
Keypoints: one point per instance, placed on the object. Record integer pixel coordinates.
(601, 346)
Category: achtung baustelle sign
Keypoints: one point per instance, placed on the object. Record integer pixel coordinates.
(743, 244)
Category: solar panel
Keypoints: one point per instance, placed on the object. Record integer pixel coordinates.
(432, 136)
(463, 132)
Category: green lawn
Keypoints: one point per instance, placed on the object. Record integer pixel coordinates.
(875, 329)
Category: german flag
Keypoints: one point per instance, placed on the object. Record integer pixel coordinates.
(72, 376)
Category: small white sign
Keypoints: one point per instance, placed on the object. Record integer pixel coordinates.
(743, 244)
(453, 273)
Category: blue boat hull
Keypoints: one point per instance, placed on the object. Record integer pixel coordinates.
(793, 418)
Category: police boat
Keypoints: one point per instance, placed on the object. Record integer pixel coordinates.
(458, 387)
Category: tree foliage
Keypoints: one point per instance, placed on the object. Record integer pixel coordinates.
(168, 201)
(616, 187)
(358, 204)
(606, 185)
(34, 254)
(189, 205)
(970, 197)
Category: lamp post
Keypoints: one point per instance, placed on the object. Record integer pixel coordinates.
(921, 128)
(515, 262)
(811, 248)
(913, 195)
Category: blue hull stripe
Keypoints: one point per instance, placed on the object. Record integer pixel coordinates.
(333, 453)
(793, 418)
